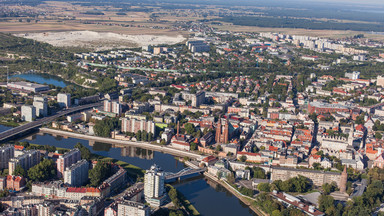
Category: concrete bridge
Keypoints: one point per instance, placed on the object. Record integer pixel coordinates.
(23, 129)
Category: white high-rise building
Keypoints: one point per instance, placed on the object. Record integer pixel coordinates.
(154, 191)
(64, 99)
(28, 113)
(77, 174)
(41, 106)
(6, 153)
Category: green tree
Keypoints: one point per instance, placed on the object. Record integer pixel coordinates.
(378, 135)
(329, 188)
(189, 128)
(258, 173)
(325, 202)
(144, 135)
(85, 152)
(43, 171)
(219, 148)
(243, 158)
(172, 193)
(138, 135)
(19, 171)
(150, 136)
(98, 174)
(276, 213)
(193, 146)
(265, 187)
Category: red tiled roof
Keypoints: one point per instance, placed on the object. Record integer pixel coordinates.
(19, 147)
(76, 190)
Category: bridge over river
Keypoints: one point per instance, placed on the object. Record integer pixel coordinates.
(6, 135)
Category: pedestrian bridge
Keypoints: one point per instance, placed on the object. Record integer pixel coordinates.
(182, 174)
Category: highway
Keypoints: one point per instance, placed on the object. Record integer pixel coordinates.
(39, 122)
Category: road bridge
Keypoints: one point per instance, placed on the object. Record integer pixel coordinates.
(6, 135)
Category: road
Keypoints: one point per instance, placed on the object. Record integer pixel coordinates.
(23, 128)
(123, 143)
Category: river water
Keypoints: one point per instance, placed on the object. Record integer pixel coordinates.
(208, 197)
(42, 79)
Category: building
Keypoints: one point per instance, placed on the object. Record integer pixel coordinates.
(76, 175)
(112, 107)
(27, 160)
(317, 177)
(353, 76)
(380, 81)
(117, 180)
(197, 46)
(66, 160)
(6, 153)
(196, 99)
(3, 183)
(46, 209)
(289, 200)
(64, 100)
(132, 209)
(15, 183)
(27, 87)
(134, 125)
(28, 113)
(207, 139)
(41, 106)
(321, 108)
(154, 190)
(224, 131)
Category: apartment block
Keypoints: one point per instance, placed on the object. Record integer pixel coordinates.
(27, 160)
(76, 175)
(66, 160)
(28, 113)
(41, 106)
(64, 99)
(134, 125)
(113, 107)
(6, 153)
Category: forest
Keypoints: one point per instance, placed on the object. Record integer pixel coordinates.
(276, 22)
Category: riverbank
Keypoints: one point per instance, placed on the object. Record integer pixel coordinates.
(187, 205)
(124, 143)
(246, 200)
(132, 171)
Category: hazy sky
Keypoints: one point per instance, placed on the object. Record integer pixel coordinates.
(380, 2)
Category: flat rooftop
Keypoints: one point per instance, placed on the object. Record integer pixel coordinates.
(28, 84)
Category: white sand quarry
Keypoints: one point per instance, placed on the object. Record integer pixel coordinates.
(100, 40)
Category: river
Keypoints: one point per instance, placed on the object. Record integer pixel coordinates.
(208, 198)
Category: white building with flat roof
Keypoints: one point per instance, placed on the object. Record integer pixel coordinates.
(28, 113)
(64, 99)
(27, 86)
(41, 106)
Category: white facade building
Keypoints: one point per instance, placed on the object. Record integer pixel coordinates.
(64, 99)
(28, 113)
